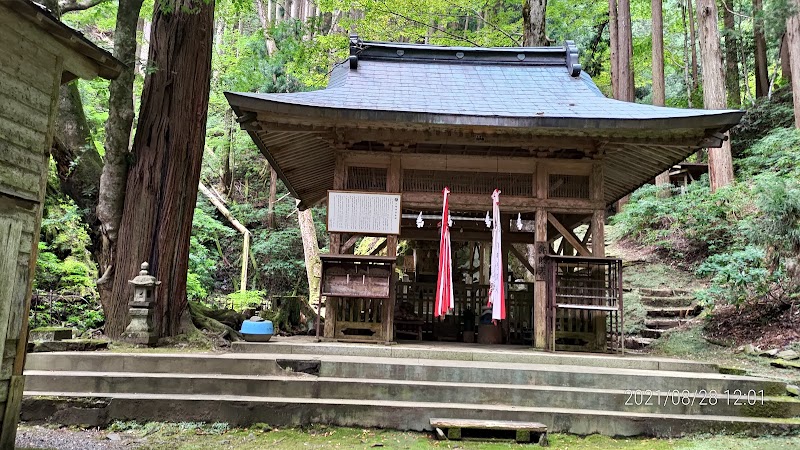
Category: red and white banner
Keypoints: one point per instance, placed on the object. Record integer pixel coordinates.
(497, 295)
(444, 282)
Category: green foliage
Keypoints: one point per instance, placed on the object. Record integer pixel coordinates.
(735, 277)
(778, 153)
(194, 287)
(766, 115)
(246, 299)
(692, 225)
(744, 238)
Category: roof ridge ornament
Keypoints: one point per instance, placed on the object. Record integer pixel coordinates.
(573, 63)
(356, 46)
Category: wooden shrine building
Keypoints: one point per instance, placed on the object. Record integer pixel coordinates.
(38, 54)
(411, 119)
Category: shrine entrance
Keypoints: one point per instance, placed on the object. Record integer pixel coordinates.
(399, 122)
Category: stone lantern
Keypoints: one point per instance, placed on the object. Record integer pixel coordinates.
(140, 330)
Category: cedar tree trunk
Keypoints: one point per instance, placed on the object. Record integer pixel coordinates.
(78, 164)
(311, 251)
(762, 75)
(793, 44)
(111, 195)
(533, 23)
(659, 92)
(731, 56)
(168, 149)
(693, 43)
(720, 164)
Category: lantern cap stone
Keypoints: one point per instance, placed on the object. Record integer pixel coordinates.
(144, 279)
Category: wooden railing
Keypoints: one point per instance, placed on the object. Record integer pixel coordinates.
(584, 304)
(472, 297)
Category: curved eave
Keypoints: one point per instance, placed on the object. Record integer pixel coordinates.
(721, 121)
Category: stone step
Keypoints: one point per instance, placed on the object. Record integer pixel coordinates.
(666, 292)
(96, 409)
(637, 342)
(651, 333)
(500, 353)
(454, 371)
(754, 404)
(664, 324)
(667, 301)
(673, 311)
(249, 358)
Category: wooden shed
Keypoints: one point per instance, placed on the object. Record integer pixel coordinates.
(411, 119)
(37, 54)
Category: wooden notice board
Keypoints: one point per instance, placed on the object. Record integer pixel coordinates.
(367, 213)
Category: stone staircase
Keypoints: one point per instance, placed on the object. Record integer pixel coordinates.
(666, 309)
(402, 387)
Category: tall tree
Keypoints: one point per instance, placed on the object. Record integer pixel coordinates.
(533, 23)
(625, 51)
(693, 43)
(622, 82)
(311, 252)
(793, 44)
(720, 163)
(659, 91)
(760, 45)
(111, 195)
(168, 148)
(786, 71)
(731, 56)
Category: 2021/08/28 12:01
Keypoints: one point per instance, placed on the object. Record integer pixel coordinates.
(702, 397)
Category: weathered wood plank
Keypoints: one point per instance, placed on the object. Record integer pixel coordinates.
(23, 114)
(10, 232)
(72, 61)
(11, 414)
(14, 64)
(25, 137)
(26, 94)
(479, 424)
(13, 154)
(15, 179)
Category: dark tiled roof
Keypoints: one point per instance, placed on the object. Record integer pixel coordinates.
(483, 83)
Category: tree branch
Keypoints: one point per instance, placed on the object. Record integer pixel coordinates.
(410, 19)
(76, 5)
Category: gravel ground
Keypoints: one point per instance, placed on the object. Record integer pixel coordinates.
(38, 437)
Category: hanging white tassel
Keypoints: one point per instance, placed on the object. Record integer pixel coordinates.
(519, 221)
(449, 221)
(488, 220)
(420, 222)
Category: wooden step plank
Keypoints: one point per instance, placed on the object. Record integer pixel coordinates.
(488, 424)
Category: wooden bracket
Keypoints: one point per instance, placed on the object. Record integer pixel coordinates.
(568, 235)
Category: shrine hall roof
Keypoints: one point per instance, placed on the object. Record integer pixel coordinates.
(538, 86)
(419, 95)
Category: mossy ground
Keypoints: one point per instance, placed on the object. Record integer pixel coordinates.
(157, 436)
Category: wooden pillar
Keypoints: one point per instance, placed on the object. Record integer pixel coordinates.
(598, 217)
(540, 285)
(541, 249)
(393, 177)
(332, 303)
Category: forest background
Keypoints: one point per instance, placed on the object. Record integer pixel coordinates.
(743, 238)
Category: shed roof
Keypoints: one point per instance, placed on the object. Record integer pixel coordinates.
(107, 66)
(533, 91)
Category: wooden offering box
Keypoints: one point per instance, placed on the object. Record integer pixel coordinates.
(357, 276)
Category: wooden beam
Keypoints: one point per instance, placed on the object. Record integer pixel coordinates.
(428, 201)
(430, 234)
(568, 235)
(350, 243)
(522, 259)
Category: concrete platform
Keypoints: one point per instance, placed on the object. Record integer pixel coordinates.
(402, 387)
(467, 352)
